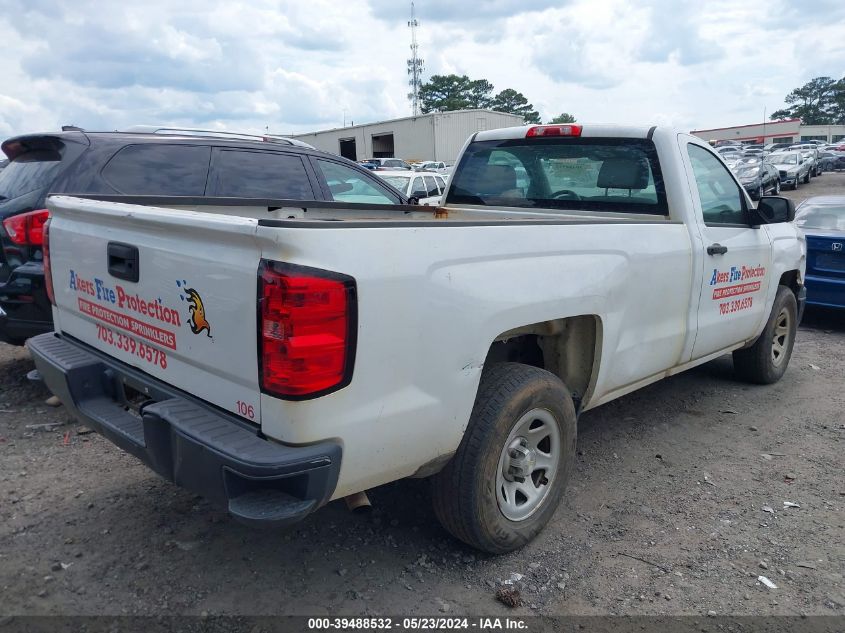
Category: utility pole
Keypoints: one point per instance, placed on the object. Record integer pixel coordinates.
(764, 126)
(415, 65)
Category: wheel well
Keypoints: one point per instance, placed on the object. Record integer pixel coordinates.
(790, 280)
(568, 348)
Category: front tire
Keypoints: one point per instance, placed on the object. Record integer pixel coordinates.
(510, 471)
(777, 187)
(767, 359)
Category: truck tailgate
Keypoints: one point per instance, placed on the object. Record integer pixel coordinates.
(162, 290)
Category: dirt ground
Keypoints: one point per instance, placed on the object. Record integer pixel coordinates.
(666, 514)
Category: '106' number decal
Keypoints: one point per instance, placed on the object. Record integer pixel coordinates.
(246, 410)
(128, 344)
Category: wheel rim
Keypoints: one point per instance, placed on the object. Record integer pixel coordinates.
(780, 340)
(528, 464)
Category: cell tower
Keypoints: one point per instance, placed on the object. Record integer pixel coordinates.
(415, 65)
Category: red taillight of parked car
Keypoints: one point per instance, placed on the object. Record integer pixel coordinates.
(48, 272)
(27, 229)
(306, 330)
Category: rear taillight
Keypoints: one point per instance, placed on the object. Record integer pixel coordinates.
(48, 272)
(307, 320)
(27, 229)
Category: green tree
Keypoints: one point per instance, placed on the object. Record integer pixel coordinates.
(513, 102)
(837, 109)
(563, 118)
(479, 93)
(813, 103)
(442, 93)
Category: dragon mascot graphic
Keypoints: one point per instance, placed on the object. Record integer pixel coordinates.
(198, 321)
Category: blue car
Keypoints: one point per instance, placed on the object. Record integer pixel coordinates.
(822, 219)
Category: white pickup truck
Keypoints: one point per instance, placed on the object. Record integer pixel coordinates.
(275, 355)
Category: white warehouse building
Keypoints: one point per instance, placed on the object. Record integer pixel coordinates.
(434, 136)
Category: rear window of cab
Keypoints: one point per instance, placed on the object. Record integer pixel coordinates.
(589, 174)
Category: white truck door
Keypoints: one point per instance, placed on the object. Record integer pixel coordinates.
(736, 265)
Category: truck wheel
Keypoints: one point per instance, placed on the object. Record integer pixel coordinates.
(512, 466)
(765, 362)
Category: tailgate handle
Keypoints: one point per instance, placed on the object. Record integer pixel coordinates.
(123, 261)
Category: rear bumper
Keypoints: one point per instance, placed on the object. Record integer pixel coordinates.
(825, 291)
(25, 310)
(197, 447)
(16, 331)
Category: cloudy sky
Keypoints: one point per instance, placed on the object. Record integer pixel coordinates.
(298, 66)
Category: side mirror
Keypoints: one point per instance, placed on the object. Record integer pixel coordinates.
(775, 209)
(413, 200)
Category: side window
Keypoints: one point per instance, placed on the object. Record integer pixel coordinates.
(245, 174)
(159, 170)
(431, 186)
(418, 188)
(348, 185)
(440, 183)
(721, 198)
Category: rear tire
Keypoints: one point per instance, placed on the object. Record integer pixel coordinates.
(767, 359)
(777, 187)
(509, 473)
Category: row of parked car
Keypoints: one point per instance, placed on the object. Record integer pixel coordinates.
(421, 188)
(381, 164)
(765, 169)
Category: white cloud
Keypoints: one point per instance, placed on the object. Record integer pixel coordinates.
(298, 66)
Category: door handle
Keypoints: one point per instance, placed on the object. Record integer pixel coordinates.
(717, 249)
(123, 261)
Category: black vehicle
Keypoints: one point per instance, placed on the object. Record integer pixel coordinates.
(831, 160)
(160, 162)
(759, 178)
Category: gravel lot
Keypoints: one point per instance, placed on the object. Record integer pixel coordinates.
(665, 514)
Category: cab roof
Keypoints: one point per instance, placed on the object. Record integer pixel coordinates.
(595, 131)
